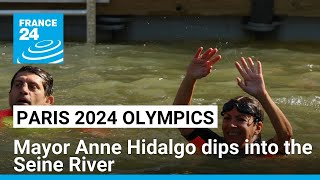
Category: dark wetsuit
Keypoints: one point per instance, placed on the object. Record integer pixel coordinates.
(200, 136)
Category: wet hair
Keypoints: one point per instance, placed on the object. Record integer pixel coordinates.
(44, 75)
(248, 105)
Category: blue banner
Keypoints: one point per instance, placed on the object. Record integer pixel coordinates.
(161, 177)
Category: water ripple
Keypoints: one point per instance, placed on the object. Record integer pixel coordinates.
(313, 101)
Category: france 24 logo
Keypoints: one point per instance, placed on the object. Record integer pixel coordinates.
(38, 39)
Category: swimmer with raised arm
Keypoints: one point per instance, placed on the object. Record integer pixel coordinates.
(242, 116)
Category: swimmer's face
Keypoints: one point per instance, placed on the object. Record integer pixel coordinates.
(237, 127)
(27, 89)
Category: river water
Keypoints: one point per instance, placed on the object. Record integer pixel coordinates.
(150, 73)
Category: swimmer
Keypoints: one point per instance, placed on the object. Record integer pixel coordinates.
(34, 86)
(29, 86)
(242, 115)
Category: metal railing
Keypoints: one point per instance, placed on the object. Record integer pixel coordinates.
(89, 12)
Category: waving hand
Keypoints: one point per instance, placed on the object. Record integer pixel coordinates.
(201, 64)
(253, 82)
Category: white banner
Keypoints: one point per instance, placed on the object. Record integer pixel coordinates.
(144, 116)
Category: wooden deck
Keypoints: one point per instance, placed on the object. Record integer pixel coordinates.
(301, 8)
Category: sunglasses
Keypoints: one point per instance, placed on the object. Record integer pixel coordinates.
(245, 108)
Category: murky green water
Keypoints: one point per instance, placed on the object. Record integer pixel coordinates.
(150, 73)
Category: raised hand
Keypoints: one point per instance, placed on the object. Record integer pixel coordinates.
(201, 65)
(253, 82)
